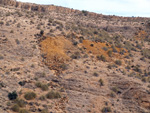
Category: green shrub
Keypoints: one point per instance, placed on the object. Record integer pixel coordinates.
(15, 108)
(41, 32)
(53, 95)
(30, 95)
(13, 95)
(85, 12)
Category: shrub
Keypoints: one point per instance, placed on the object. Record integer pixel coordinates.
(64, 66)
(85, 12)
(41, 32)
(22, 83)
(146, 53)
(109, 53)
(17, 41)
(144, 79)
(106, 109)
(114, 49)
(18, 25)
(105, 48)
(1, 57)
(15, 108)
(53, 95)
(102, 58)
(101, 82)
(23, 111)
(1, 22)
(11, 31)
(112, 94)
(20, 102)
(76, 55)
(12, 96)
(44, 87)
(95, 74)
(116, 90)
(30, 95)
(128, 45)
(118, 62)
(42, 97)
(38, 84)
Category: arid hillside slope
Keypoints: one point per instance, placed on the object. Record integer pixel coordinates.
(61, 60)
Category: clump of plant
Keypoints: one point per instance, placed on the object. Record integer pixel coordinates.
(30, 95)
(42, 98)
(146, 53)
(102, 58)
(118, 62)
(44, 87)
(20, 102)
(101, 82)
(96, 74)
(53, 95)
(76, 55)
(15, 108)
(106, 109)
(13, 95)
(109, 53)
(23, 111)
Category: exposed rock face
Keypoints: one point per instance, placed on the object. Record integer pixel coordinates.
(35, 7)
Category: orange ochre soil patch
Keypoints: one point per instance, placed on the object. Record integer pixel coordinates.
(54, 50)
(97, 49)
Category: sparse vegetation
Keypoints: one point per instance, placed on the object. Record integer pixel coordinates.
(54, 58)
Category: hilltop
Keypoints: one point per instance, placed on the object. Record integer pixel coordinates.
(60, 60)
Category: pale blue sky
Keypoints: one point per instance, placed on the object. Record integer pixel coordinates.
(109, 7)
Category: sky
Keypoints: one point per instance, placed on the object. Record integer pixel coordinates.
(109, 7)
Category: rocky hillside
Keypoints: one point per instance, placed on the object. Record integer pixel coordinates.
(60, 60)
